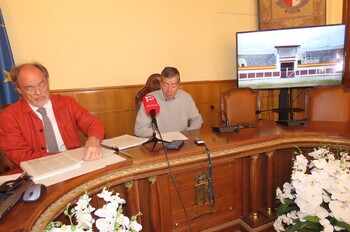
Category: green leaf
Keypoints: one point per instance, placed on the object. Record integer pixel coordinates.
(342, 225)
(314, 219)
(307, 225)
(283, 207)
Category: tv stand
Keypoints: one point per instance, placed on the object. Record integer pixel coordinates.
(292, 122)
(285, 112)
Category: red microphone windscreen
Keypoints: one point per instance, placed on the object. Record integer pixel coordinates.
(150, 103)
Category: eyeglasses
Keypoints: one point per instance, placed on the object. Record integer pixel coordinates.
(42, 86)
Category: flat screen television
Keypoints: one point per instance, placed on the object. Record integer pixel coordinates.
(290, 58)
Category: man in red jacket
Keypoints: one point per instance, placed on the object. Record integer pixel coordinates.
(22, 130)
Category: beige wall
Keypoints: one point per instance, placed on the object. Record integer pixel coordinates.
(95, 43)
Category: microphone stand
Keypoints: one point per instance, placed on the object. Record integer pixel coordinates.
(227, 123)
(227, 127)
(154, 138)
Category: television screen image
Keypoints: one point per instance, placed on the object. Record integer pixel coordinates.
(291, 57)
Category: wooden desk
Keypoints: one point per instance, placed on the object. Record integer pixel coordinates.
(247, 168)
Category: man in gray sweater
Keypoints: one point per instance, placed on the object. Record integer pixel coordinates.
(178, 112)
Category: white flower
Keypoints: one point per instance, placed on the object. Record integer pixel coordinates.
(122, 220)
(327, 227)
(340, 210)
(134, 225)
(103, 224)
(278, 225)
(319, 190)
(318, 153)
(105, 194)
(300, 163)
(321, 212)
(287, 192)
(111, 217)
(321, 163)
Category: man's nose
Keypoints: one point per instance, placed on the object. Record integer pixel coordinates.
(37, 90)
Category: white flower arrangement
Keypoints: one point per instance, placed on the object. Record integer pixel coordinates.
(111, 217)
(318, 196)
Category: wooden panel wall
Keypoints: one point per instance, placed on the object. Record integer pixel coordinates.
(115, 106)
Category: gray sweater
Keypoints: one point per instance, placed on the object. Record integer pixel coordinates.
(179, 114)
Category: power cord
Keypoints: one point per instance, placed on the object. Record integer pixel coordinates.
(173, 180)
(211, 194)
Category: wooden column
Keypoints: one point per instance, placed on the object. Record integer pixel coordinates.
(268, 210)
(254, 194)
(154, 204)
(133, 199)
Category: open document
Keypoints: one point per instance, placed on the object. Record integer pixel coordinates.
(124, 142)
(51, 165)
(169, 136)
(66, 165)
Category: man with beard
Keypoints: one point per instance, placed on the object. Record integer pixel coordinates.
(23, 124)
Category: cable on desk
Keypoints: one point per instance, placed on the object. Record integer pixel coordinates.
(173, 180)
(211, 194)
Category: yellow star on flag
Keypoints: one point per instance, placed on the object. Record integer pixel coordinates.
(8, 76)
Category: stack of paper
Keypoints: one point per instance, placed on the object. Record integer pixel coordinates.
(50, 165)
(66, 165)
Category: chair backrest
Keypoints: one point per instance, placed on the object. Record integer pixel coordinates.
(3, 107)
(152, 84)
(327, 103)
(5, 163)
(241, 105)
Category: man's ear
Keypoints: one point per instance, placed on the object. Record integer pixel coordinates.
(18, 90)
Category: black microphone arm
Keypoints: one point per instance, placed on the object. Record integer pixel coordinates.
(152, 112)
(227, 123)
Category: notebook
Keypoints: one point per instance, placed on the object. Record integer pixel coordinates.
(11, 192)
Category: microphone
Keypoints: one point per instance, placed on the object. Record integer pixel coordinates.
(227, 128)
(227, 123)
(151, 107)
(261, 111)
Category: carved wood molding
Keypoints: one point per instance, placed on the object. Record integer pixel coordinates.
(133, 173)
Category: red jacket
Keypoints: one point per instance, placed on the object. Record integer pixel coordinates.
(21, 130)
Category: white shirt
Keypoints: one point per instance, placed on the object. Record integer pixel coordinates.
(51, 115)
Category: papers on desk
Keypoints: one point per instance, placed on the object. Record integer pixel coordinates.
(52, 165)
(66, 165)
(170, 136)
(5, 178)
(124, 142)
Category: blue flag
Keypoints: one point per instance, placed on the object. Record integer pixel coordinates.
(8, 95)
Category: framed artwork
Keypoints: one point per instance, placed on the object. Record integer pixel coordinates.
(275, 14)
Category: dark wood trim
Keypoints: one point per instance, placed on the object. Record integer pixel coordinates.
(346, 20)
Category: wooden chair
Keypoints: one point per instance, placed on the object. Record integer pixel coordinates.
(241, 105)
(327, 103)
(152, 84)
